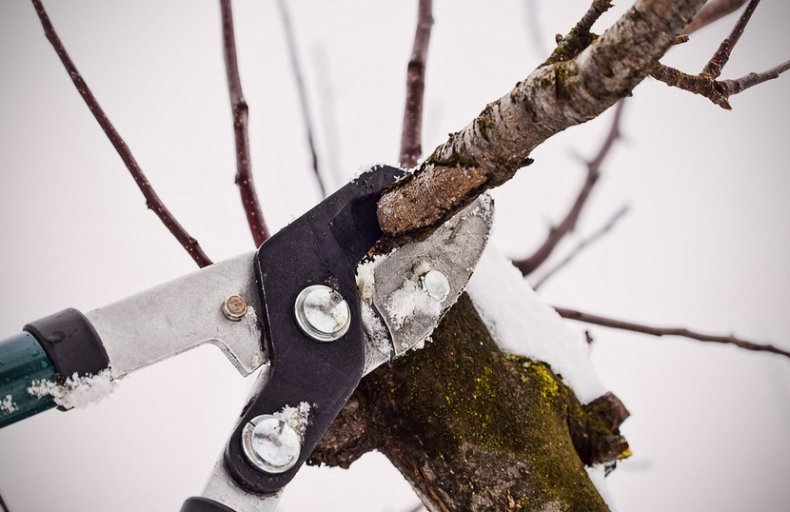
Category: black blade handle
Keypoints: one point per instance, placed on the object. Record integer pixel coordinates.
(204, 505)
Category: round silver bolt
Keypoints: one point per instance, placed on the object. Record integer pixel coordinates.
(234, 308)
(435, 284)
(271, 444)
(322, 313)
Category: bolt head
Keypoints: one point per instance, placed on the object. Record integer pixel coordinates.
(322, 313)
(271, 444)
(234, 308)
(435, 284)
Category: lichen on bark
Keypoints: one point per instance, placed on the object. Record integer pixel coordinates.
(475, 429)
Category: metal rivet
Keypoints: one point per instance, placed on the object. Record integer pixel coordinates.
(435, 284)
(271, 444)
(234, 308)
(322, 313)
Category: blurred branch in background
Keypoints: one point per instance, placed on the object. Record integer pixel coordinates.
(249, 197)
(712, 11)
(411, 134)
(568, 224)
(296, 67)
(573, 314)
(153, 201)
(583, 244)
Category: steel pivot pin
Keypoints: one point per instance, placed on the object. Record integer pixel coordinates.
(322, 313)
(271, 444)
(435, 284)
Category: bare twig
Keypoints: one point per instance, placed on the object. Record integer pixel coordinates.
(713, 10)
(568, 224)
(722, 56)
(579, 37)
(717, 91)
(582, 245)
(153, 202)
(590, 318)
(3, 506)
(706, 83)
(411, 135)
(296, 67)
(249, 197)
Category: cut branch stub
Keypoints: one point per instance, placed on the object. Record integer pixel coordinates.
(554, 97)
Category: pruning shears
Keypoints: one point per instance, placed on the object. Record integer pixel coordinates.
(312, 308)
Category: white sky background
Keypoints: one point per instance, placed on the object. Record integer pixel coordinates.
(704, 246)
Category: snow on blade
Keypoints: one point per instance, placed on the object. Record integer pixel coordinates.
(296, 417)
(76, 391)
(521, 323)
(7, 405)
(410, 299)
(374, 327)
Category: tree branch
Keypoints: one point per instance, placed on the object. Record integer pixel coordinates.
(590, 318)
(568, 223)
(713, 10)
(582, 245)
(411, 134)
(722, 56)
(717, 91)
(153, 202)
(554, 97)
(296, 67)
(249, 197)
(579, 37)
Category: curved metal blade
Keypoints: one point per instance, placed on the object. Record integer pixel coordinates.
(408, 307)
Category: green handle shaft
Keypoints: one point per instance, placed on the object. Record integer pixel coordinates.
(22, 361)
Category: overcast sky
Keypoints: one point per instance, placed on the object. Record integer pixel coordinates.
(705, 244)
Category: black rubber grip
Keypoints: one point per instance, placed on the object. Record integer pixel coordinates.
(71, 343)
(204, 505)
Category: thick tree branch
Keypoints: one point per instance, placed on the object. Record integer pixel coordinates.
(582, 245)
(411, 134)
(713, 10)
(554, 97)
(296, 67)
(153, 202)
(573, 314)
(249, 197)
(571, 219)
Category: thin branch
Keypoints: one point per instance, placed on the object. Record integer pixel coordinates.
(3, 506)
(713, 10)
(717, 91)
(590, 318)
(411, 135)
(296, 67)
(722, 56)
(568, 224)
(249, 197)
(583, 244)
(153, 202)
(579, 37)
(534, 28)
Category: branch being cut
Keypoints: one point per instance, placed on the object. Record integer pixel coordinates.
(568, 223)
(296, 67)
(411, 134)
(153, 201)
(249, 197)
(554, 97)
(573, 314)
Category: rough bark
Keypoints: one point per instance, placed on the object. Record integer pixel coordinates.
(554, 97)
(474, 429)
